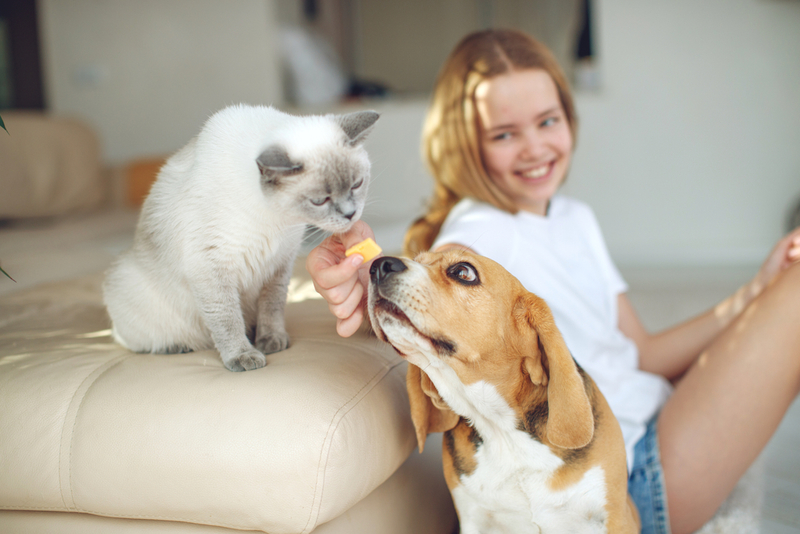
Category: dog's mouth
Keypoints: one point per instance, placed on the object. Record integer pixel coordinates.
(383, 306)
(387, 306)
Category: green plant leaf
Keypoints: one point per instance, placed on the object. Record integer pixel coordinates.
(3, 270)
(6, 129)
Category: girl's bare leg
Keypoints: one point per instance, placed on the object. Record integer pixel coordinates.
(730, 402)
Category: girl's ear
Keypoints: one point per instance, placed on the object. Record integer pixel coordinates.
(429, 412)
(357, 125)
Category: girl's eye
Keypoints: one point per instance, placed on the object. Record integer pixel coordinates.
(357, 184)
(464, 273)
(549, 121)
(501, 137)
(320, 202)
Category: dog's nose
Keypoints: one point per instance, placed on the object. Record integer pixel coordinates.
(384, 267)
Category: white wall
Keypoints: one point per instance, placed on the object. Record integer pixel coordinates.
(147, 73)
(690, 153)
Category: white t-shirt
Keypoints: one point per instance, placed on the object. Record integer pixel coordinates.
(563, 258)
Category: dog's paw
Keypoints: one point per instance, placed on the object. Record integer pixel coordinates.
(270, 342)
(248, 360)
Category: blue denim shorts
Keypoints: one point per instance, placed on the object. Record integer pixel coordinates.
(646, 483)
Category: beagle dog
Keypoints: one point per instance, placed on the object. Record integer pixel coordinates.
(530, 443)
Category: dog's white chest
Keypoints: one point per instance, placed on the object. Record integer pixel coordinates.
(508, 493)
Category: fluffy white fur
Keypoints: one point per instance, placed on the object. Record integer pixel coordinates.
(222, 225)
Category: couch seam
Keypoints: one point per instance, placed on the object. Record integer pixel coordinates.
(319, 489)
(101, 370)
(124, 516)
(393, 361)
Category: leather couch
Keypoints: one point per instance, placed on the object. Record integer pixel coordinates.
(95, 438)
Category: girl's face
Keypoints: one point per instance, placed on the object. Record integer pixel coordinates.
(524, 136)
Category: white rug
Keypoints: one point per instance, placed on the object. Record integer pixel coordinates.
(741, 512)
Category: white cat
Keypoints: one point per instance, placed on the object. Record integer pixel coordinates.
(222, 225)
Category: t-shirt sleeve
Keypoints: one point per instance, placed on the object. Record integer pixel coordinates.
(616, 283)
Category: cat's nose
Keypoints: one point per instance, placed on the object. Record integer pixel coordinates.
(384, 267)
(349, 216)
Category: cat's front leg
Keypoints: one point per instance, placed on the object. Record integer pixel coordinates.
(271, 335)
(222, 311)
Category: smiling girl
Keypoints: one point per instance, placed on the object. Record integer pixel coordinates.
(698, 402)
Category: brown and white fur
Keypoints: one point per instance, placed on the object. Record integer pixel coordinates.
(530, 443)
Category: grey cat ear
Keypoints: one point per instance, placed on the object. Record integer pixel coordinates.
(357, 125)
(275, 162)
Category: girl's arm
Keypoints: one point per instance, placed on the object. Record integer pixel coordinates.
(671, 352)
(342, 281)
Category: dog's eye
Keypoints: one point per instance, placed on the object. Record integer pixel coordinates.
(464, 273)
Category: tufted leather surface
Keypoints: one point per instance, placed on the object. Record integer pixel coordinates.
(87, 426)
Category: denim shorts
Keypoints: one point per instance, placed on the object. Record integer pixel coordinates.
(646, 483)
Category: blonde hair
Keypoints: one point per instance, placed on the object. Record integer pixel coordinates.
(450, 134)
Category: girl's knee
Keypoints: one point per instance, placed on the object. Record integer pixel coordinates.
(789, 278)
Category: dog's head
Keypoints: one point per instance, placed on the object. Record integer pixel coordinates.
(481, 346)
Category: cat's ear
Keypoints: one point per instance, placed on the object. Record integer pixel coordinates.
(274, 163)
(357, 125)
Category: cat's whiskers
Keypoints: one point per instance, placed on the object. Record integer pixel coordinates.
(313, 232)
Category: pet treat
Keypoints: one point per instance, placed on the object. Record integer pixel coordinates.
(367, 248)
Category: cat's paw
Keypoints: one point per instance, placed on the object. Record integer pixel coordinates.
(246, 361)
(270, 342)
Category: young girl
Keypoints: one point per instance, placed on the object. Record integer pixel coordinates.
(696, 403)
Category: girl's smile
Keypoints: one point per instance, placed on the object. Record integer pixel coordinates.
(525, 138)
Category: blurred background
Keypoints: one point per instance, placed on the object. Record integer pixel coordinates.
(689, 138)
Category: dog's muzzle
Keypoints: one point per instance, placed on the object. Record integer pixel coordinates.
(384, 268)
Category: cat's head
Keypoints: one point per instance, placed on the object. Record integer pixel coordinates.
(323, 177)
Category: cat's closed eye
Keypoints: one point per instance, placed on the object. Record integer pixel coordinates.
(357, 184)
(319, 202)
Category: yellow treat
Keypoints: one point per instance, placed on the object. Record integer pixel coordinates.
(367, 248)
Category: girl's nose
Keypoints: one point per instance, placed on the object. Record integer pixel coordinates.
(533, 145)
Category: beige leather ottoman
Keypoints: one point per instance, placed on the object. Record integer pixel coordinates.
(94, 438)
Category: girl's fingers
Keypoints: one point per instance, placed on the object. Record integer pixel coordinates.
(328, 277)
(349, 304)
(794, 250)
(348, 327)
(339, 279)
(327, 263)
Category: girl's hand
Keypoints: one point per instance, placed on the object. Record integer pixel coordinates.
(785, 253)
(341, 280)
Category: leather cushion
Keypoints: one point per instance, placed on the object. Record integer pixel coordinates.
(86, 425)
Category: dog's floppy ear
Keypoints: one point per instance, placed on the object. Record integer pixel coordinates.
(428, 411)
(570, 421)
